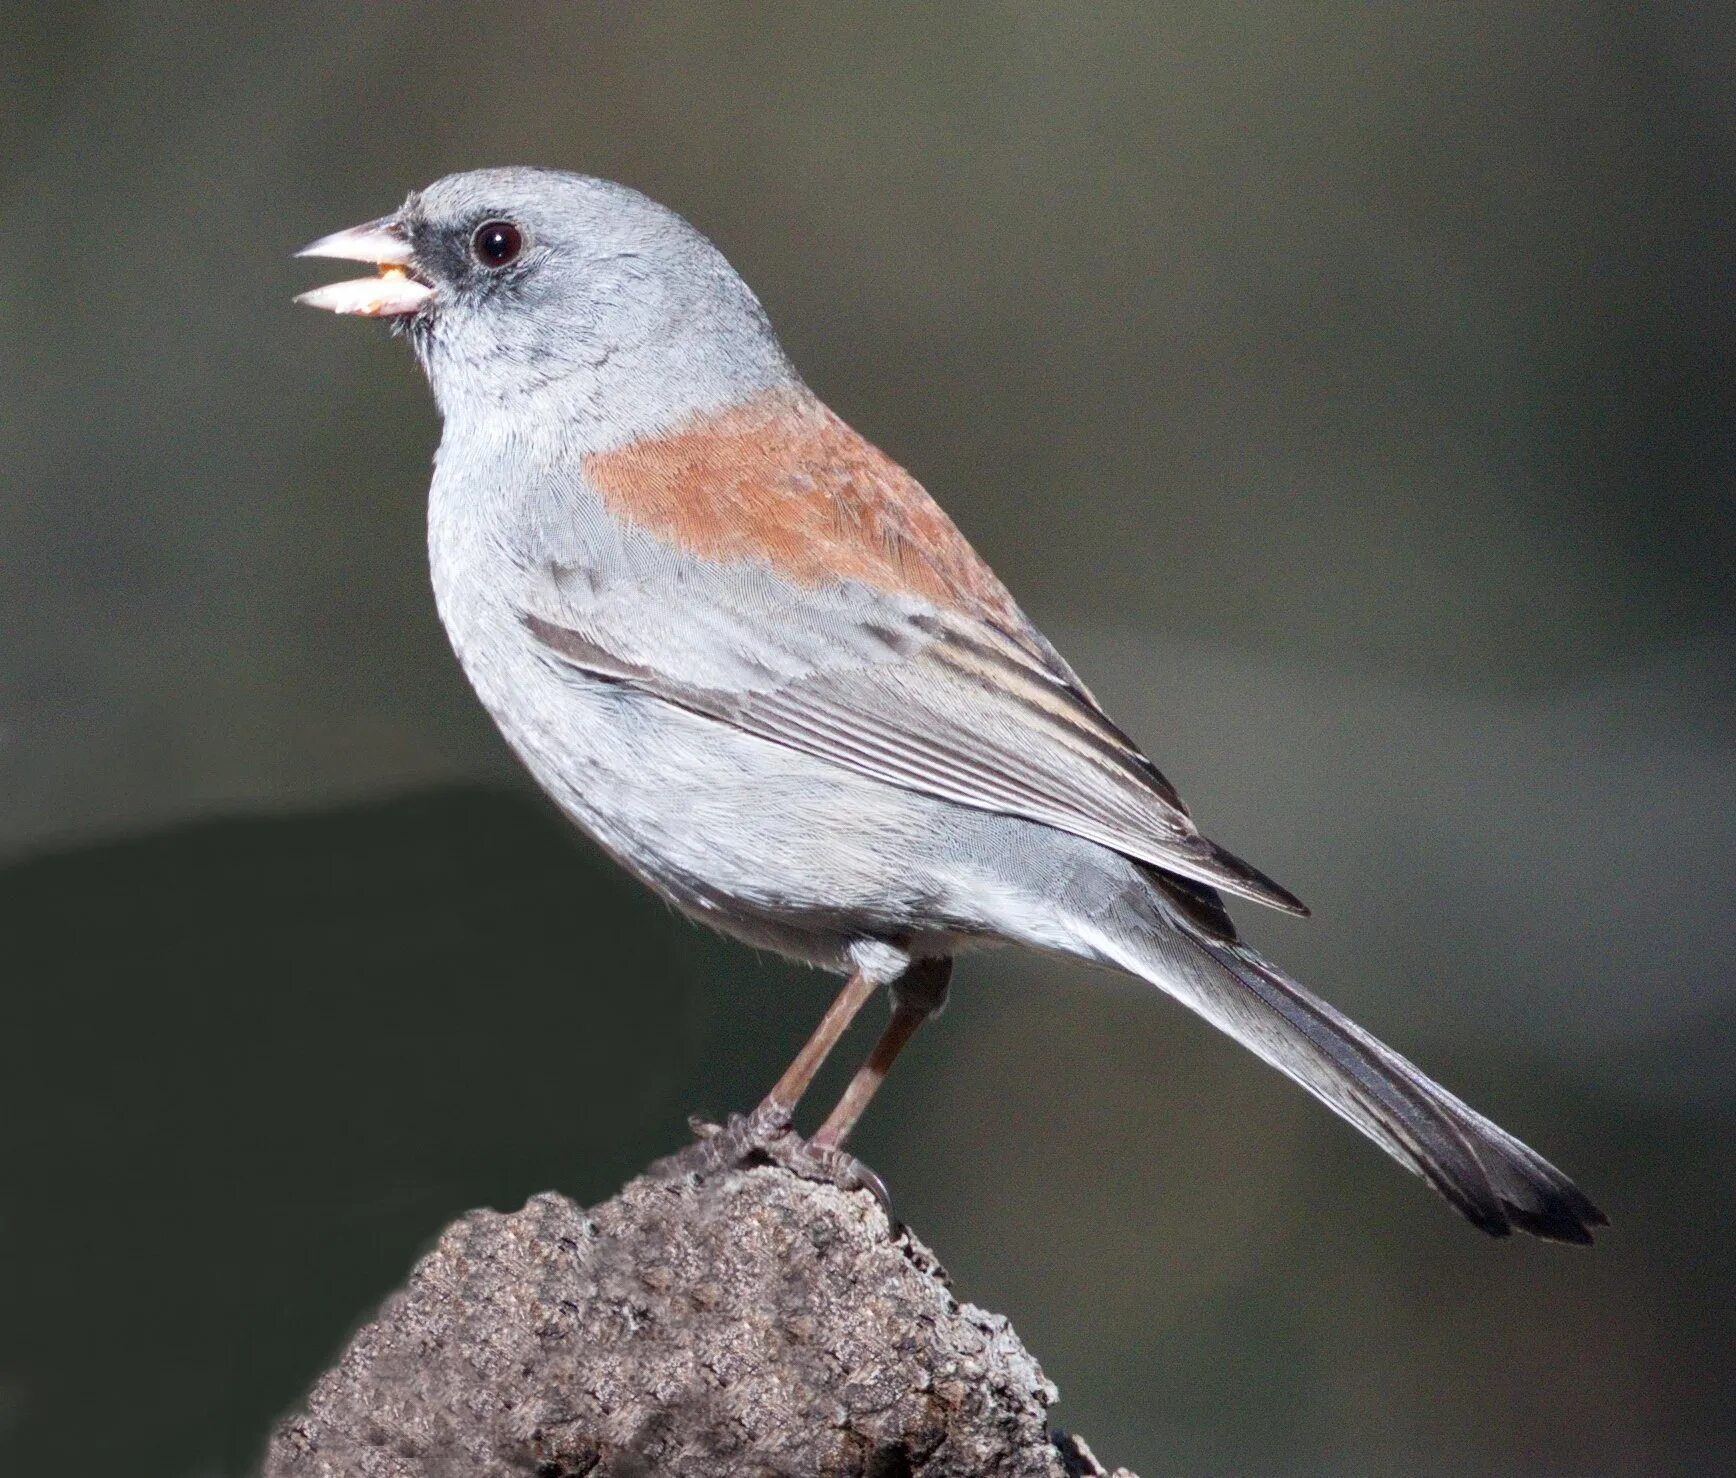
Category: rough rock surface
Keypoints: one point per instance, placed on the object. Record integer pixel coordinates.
(747, 1322)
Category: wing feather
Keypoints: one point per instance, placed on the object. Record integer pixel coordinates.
(768, 568)
(970, 717)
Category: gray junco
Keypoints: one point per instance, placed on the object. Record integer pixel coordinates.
(748, 654)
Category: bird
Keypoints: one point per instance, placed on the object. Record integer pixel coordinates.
(749, 655)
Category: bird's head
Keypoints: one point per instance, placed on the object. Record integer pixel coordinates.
(533, 285)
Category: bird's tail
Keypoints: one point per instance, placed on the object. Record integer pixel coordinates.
(1493, 1179)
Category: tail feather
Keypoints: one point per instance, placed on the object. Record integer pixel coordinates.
(1491, 1178)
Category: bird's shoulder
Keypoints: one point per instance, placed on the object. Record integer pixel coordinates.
(880, 642)
(782, 482)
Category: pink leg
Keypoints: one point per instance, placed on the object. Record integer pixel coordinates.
(781, 1102)
(916, 995)
(905, 1020)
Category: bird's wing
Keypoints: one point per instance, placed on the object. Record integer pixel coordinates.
(916, 668)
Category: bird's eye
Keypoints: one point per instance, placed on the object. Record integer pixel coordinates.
(496, 243)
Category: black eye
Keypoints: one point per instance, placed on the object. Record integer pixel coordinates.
(496, 243)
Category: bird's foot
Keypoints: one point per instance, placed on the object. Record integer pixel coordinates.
(764, 1137)
(741, 1139)
(830, 1165)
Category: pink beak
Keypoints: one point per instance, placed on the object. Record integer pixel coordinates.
(394, 293)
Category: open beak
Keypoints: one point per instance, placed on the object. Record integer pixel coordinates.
(394, 293)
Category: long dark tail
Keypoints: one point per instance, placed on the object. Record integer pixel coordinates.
(1492, 1178)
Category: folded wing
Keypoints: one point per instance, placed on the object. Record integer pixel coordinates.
(770, 569)
(970, 716)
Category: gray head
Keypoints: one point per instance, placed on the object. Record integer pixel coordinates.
(583, 296)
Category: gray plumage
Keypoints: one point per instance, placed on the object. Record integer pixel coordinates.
(855, 774)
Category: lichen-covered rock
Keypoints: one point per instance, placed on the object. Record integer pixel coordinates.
(748, 1322)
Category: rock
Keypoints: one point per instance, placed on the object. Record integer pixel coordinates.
(746, 1322)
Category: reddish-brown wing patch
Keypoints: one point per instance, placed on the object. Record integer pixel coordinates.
(782, 481)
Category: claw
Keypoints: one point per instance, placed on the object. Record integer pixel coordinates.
(719, 1147)
(770, 1118)
(833, 1166)
(765, 1137)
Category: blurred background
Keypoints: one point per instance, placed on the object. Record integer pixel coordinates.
(1348, 392)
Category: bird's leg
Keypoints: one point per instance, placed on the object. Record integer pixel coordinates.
(777, 1107)
(916, 995)
(746, 1135)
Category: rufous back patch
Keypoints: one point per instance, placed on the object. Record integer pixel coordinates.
(782, 481)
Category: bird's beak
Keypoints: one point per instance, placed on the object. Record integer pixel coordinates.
(395, 293)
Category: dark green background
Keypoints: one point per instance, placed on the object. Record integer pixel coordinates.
(1348, 392)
